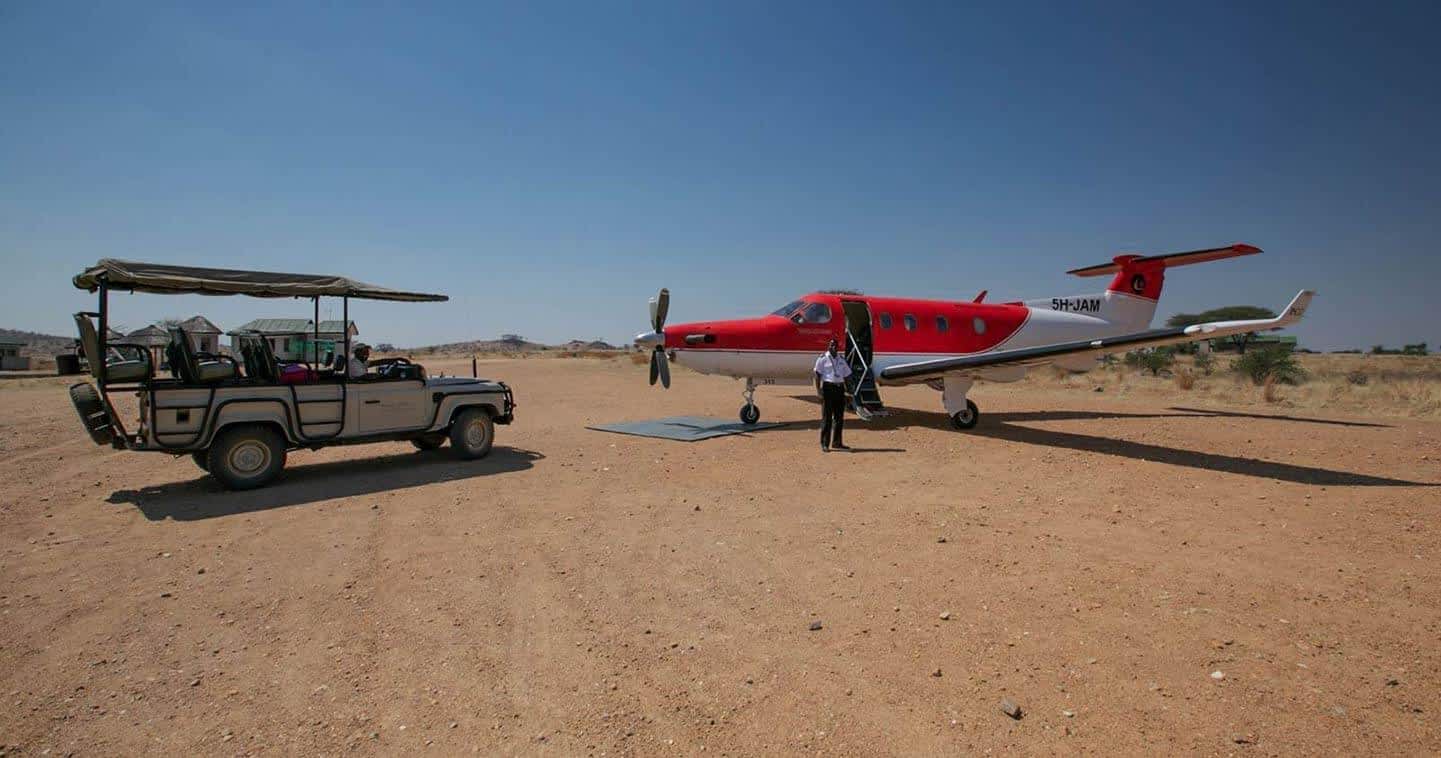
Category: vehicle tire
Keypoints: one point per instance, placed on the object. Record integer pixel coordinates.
(92, 413)
(202, 459)
(967, 418)
(428, 442)
(750, 413)
(472, 433)
(246, 457)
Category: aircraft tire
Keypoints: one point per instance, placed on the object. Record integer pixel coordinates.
(967, 418)
(750, 414)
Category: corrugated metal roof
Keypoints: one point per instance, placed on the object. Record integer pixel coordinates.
(287, 326)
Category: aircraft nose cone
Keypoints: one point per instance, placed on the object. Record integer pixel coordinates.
(650, 338)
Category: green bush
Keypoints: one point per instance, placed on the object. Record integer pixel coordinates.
(1205, 362)
(1155, 360)
(1277, 364)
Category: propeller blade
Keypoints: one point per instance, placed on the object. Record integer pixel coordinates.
(655, 359)
(659, 306)
(664, 368)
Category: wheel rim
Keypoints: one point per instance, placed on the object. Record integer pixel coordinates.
(965, 416)
(249, 457)
(475, 434)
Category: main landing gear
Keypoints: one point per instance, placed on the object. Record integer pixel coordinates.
(966, 419)
(962, 410)
(750, 413)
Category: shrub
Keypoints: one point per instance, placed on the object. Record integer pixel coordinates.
(1205, 362)
(1155, 360)
(1357, 377)
(1275, 364)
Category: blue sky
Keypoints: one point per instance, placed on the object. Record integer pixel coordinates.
(550, 166)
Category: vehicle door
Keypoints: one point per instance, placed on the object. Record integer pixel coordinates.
(389, 406)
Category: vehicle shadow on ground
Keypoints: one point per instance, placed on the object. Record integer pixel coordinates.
(1005, 426)
(204, 498)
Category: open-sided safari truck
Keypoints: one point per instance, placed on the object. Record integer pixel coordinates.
(239, 417)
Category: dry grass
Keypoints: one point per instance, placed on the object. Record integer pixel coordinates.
(1359, 385)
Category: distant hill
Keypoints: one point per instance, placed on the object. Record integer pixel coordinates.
(508, 343)
(37, 343)
(588, 345)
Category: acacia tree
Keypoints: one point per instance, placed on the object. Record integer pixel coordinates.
(1225, 313)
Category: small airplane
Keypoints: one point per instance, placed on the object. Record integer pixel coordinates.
(944, 344)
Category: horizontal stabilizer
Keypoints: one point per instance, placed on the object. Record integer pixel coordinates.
(1167, 260)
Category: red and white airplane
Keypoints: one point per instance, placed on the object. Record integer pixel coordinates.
(947, 345)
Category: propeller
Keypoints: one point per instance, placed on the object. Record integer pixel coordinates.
(659, 366)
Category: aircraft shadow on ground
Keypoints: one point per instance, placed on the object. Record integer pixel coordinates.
(1004, 426)
(204, 498)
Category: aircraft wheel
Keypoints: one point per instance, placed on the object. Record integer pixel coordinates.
(750, 414)
(967, 418)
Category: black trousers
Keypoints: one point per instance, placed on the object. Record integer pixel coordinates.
(833, 413)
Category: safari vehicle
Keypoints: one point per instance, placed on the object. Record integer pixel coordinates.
(238, 418)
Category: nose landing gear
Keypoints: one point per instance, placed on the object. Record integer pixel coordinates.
(750, 413)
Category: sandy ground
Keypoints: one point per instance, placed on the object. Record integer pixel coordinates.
(1092, 558)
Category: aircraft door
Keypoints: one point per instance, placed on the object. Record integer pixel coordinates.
(858, 326)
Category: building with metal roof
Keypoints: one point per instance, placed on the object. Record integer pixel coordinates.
(295, 339)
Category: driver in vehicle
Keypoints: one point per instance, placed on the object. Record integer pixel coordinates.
(360, 363)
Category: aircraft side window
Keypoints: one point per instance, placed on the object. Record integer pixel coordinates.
(815, 313)
(885, 320)
(910, 322)
(941, 325)
(979, 325)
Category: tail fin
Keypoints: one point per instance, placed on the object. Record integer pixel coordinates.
(1130, 301)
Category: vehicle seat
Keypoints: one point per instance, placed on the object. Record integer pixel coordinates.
(117, 368)
(189, 368)
(266, 366)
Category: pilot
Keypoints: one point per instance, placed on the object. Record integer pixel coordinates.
(831, 372)
(359, 364)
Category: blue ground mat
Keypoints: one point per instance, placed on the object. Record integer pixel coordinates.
(683, 428)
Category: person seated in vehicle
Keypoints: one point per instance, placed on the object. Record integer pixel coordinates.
(359, 365)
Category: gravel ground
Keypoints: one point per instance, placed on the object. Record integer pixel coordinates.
(1080, 574)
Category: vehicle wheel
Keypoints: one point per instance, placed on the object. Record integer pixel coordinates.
(428, 442)
(202, 459)
(472, 433)
(750, 413)
(246, 457)
(967, 418)
(92, 413)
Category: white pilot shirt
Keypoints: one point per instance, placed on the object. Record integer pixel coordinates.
(833, 370)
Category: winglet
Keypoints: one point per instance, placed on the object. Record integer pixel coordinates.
(1298, 306)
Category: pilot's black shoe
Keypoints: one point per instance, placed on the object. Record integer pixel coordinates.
(839, 446)
(825, 449)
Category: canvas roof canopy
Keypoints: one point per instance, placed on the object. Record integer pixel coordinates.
(166, 279)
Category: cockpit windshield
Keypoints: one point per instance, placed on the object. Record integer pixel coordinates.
(802, 312)
(787, 309)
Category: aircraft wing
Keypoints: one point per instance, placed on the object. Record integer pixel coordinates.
(1029, 356)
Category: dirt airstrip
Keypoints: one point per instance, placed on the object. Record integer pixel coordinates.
(1136, 577)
